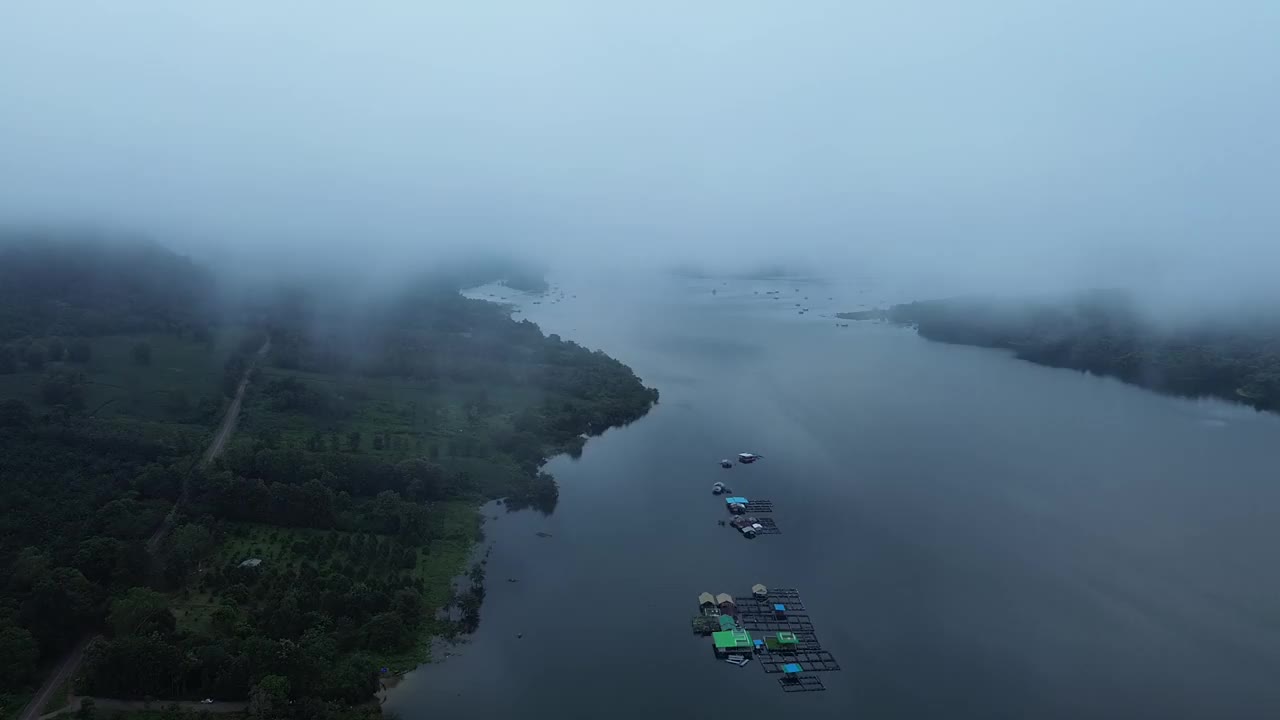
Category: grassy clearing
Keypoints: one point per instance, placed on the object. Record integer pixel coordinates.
(437, 565)
(456, 529)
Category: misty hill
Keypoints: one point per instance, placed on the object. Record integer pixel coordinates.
(69, 286)
(381, 418)
(1107, 333)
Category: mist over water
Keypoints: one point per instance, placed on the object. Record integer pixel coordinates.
(1010, 145)
(977, 536)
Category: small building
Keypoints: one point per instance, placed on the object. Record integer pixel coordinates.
(792, 670)
(732, 641)
(725, 602)
(727, 623)
(779, 610)
(736, 500)
(760, 591)
(706, 601)
(251, 563)
(782, 642)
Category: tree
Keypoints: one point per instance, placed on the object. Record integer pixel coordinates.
(18, 655)
(269, 698)
(385, 511)
(385, 631)
(142, 353)
(61, 604)
(189, 544)
(136, 609)
(101, 559)
(408, 605)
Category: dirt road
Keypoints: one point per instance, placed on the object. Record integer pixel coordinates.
(65, 670)
(219, 442)
(107, 704)
(68, 665)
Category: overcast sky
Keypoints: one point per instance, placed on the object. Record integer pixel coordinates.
(1090, 140)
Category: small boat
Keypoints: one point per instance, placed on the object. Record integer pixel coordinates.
(725, 463)
(748, 458)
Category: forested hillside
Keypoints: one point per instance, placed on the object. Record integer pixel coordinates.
(1235, 357)
(319, 547)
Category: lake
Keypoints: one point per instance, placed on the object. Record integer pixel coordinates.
(974, 536)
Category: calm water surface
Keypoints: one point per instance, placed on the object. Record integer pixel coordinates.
(974, 536)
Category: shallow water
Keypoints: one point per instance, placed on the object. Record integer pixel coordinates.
(974, 536)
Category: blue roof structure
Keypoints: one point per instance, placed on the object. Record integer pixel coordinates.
(759, 643)
(779, 607)
(791, 668)
(732, 500)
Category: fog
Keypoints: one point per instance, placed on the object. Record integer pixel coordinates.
(1009, 144)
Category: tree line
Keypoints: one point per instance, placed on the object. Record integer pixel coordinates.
(1106, 332)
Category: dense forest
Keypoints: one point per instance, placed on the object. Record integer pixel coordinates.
(316, 552)
(1107, 333)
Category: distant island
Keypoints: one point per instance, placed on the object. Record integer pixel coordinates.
(1106, 333)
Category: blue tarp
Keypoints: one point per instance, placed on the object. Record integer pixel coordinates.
(791, 668)
(732, 500)
(780, 608)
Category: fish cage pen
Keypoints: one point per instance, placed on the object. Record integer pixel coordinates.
(810, 660)
(795, 626)
(787, 596)
(767, 527)
(804, 683)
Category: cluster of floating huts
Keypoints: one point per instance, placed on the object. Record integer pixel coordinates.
(771, 627)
